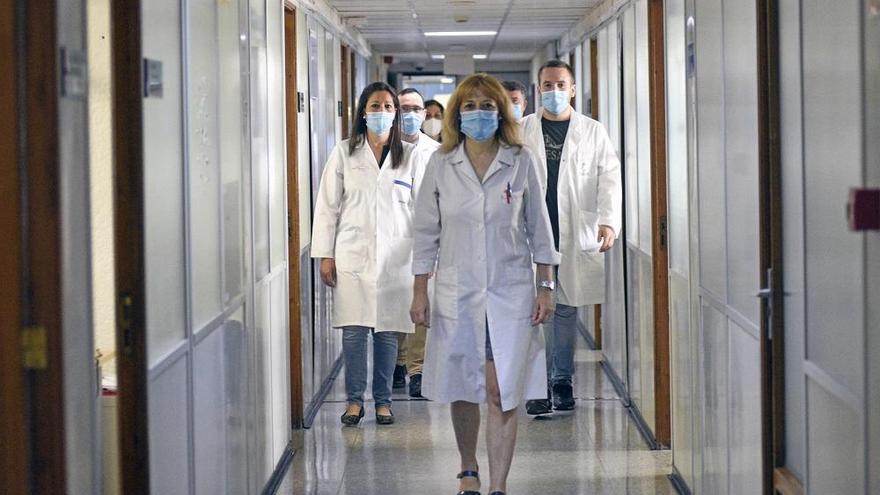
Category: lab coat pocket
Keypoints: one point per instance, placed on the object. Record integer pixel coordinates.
(520, 288)
(588, 232)
(351, 250)
(402, 208)
(446, 293)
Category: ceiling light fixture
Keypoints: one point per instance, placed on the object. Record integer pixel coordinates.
(438, 57)
(461, 33)
(480, 57)
(447, 80)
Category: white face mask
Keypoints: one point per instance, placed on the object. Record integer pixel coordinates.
(432, 127)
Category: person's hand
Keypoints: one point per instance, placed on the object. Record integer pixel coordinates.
(544, 307)
(606, 237)
(420, 310)
(328, 272)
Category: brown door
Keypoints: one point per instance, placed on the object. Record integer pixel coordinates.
(14, 462)
(345, 84)
(131, 328)
(295, 309)
(660, 253)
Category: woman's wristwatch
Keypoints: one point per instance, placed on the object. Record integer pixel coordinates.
(547, 284)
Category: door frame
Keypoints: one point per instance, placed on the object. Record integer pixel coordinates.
(129, 238)
(777, 478)
(594, 113)
(14, 463)
(345, 87)
(297, 401)
(659, 244)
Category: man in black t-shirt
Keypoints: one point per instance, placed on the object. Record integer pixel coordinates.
(581, 174)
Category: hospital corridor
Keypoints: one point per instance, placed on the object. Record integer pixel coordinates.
(437, 247)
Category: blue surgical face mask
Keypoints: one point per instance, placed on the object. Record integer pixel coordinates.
(555, 102)
(412, 122)
(479, 125)
(380, 122)
(517, 112)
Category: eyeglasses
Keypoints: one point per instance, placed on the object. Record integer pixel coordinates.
(408, 109)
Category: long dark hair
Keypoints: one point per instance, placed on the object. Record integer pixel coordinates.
(359, 126)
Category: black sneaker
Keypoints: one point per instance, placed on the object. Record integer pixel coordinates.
(399, 376)
(415, 386)
(563, 399)
(537, 407)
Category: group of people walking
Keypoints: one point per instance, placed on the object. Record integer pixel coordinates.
(451, 235)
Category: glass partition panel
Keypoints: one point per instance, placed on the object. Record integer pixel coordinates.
(204, 160)
(163, 184)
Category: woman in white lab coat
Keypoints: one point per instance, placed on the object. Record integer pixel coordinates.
(362, 234)
(481, 221)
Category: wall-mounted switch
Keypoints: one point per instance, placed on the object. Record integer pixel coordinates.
(152, 78)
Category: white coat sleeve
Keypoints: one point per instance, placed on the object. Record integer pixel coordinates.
(610, 193)
(538, 229)
(419, 165)
(426, 222)
(328, 205)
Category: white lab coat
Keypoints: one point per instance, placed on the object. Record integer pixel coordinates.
(589, 195)
(484, 238)
(363, 219)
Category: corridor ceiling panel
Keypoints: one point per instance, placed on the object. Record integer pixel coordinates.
(398, 27)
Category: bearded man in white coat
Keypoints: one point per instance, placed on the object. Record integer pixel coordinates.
(580, 173)
(411, 351)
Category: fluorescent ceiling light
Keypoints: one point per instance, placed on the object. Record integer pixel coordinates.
(438, 57)
(480, 57)
(447, 80)
(461, 33)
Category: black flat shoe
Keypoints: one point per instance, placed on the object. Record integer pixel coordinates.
(497, 493)
(352, 419)
(382, 419)
(563, 398)
(468, 474)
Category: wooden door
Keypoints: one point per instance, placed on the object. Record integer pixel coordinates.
(293, 241)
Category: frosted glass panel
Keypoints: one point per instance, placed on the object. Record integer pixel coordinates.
(231, 157)
(614, 87)
(209, 428)
(710, 147)
(631, 130)
(676, 137)
(169, 432)
(602, 60)
(237, 405)
(745, 409)
(163, 184)
(715, 419)
(643, 126)
(280, 358)
(835, 291)
(277, 159)
(741, 152)
(836, 446)
(259, 138)
(204, 161)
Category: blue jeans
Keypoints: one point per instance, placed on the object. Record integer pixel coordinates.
(560, 337)
(354, 349)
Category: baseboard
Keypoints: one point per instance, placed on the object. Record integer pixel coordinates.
(616, 382)
(591, 342)
(679, 483)
(642, 426)
(631, 407)
(280, 471)
(318, 399)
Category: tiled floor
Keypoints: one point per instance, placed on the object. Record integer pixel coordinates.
(594, 450)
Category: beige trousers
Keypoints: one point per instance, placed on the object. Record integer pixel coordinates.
(411, 350)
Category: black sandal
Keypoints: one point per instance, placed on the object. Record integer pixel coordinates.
(352, 419)
(468, 474)
(382, 419)
(497, 493)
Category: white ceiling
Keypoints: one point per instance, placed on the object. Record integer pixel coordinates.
(397, 27)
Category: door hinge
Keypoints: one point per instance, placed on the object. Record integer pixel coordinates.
(767, 294)
(34, 354)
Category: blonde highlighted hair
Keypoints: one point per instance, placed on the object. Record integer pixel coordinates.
(508, 129)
